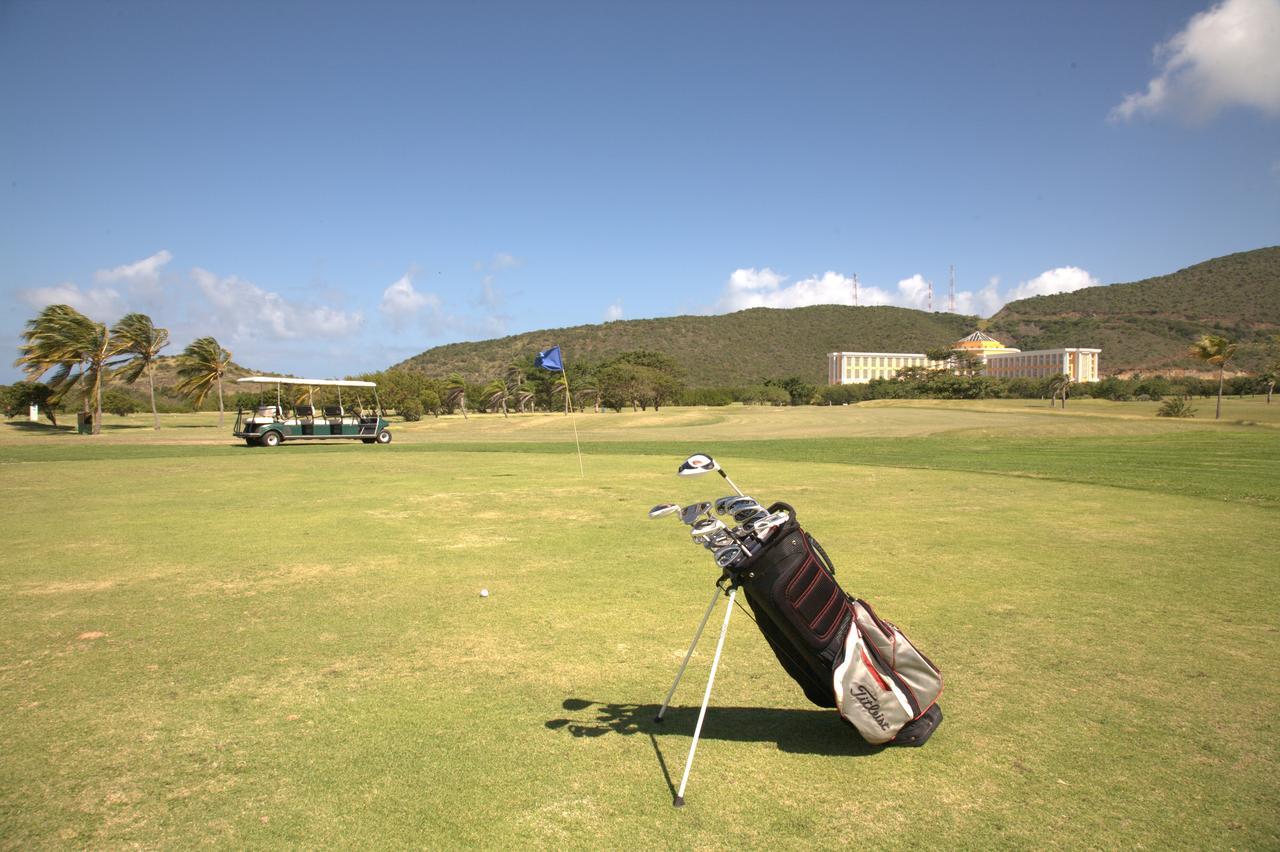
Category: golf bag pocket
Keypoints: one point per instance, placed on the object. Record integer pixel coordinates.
(882, 682)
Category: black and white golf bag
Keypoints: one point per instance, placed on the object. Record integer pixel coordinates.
(835, 646)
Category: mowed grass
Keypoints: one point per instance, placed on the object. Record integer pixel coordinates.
(210, 645)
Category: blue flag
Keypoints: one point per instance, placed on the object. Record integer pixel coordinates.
(550, 360)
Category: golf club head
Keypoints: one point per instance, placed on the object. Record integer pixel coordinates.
(728, 556)
(729, 505)
(696, 464)
(777, 519)
(717, 540)
(663, 509)
(690, 514)
(706, 527)
(748, 515)
(723, 502)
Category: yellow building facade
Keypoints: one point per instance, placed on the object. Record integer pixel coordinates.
(999, 360)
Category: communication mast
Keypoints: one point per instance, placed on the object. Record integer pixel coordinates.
(855, 289)
(930, 297)
(953, 288)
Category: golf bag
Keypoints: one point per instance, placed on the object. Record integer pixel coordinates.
(835, 646)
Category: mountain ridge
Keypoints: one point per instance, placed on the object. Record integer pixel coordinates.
(1144, 325)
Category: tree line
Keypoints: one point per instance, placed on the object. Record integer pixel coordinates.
(80, 357)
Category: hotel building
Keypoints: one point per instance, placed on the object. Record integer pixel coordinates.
(1079, 365)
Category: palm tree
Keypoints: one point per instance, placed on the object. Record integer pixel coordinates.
(61, 338)
(1272, 372)
(201, 366)
(516, 388)
(1217, 350)
(560, 387)
(496, 394)
(1058, 385)
(455, 393)
(136, 336)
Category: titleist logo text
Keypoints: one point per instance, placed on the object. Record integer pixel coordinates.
(868, 701)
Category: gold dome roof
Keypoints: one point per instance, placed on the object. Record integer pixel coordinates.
(978, 342)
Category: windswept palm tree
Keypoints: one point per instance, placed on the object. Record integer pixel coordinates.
(137, 337)
(1058, 386)
(62, 339)
(560, 388)
(201, 367)
(516, 387)
(1217, 350)
(455, 393)
(496, 394)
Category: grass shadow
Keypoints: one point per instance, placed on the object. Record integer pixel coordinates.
(795, 731)
(28, 426)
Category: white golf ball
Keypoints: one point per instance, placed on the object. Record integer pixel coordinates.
(484, 593)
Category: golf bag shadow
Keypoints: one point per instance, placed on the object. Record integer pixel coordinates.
(833, 645)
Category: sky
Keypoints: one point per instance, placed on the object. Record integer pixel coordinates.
(329, 188)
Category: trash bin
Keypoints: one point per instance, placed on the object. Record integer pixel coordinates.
(84, 423)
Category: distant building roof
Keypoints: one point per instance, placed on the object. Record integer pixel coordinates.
(980, 342)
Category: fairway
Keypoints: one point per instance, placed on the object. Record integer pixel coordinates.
(207, 644)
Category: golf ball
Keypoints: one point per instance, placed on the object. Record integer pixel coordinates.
(484, 593)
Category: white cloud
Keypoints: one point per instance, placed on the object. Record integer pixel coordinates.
(913, 292)
(613, 312)
(762, 288)
(1064, 279)
(144, 272)
(756, 288)
(102, 304)
(246, 310)
(402, 298)
(1226, 56)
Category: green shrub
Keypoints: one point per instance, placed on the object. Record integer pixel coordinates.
(1176, 406)
(410, 410)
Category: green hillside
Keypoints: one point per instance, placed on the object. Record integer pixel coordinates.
(1146, 325)
(729, 349)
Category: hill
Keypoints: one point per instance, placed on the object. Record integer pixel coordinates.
(728, 349)
(1147, 325)
(1140, 326)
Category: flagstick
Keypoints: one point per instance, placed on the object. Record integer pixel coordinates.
(568, 404)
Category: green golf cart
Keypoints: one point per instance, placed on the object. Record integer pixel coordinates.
(279, 417)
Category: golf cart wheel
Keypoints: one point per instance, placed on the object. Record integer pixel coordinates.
(250, 441)
(271, 439)
(367, 440)
(384, 437)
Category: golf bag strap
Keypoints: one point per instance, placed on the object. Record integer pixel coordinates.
(822, 554)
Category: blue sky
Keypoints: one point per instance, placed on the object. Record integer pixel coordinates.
(329, 188)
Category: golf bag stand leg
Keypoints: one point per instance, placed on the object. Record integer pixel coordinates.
(696, 636)
(706, 697)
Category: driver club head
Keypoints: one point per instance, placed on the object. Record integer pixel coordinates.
(663, 509)
(703, 463)
(696, 464)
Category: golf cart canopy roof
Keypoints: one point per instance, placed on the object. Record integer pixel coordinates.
(282, 380)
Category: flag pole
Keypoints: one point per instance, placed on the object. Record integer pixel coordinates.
(568, 404)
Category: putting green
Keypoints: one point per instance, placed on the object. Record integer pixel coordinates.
(206, 644)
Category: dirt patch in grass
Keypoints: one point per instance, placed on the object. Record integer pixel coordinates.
(67, 587)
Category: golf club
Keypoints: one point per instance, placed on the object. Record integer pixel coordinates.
(702, 463)
(690, 514)
(738, 503)
(663, 509)
(706, 527)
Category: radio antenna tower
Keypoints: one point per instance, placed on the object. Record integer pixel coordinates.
(930, 297)
(855, 289)
(953, 288)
